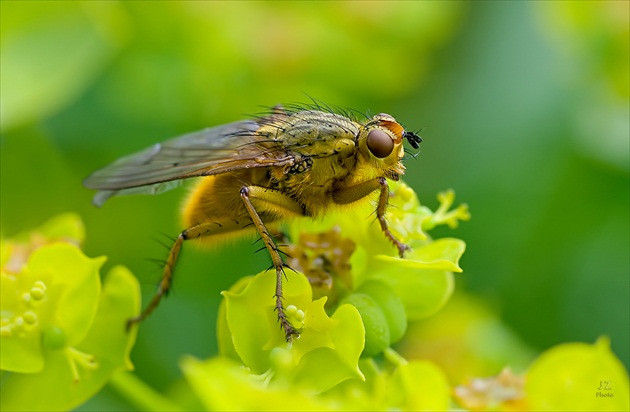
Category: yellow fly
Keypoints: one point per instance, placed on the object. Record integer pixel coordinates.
(296, 162)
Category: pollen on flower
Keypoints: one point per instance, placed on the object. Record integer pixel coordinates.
(20, 319)
(295, 315)
(26, 298)
(6, 328)
(36, 294)
(299, 315)
(30, 317)
(38, 291)
(20, 324)
(291, 310)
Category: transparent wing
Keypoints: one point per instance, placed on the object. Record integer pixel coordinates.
(211, 151)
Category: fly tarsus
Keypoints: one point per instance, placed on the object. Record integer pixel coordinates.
(285, 324)
(402, 248)
(380, 214)
(278, 264)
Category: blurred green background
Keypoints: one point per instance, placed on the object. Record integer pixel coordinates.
(523, 108)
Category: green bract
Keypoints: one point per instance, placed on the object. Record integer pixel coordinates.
(377, 333)
(422, 281)
(327, 351)
(50, 304)
(62, 336)
(391, 306)
(418, 386)
(578, 376)
(370, 293)
(222, 385)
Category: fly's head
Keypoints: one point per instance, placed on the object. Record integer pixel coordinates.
(381, 144)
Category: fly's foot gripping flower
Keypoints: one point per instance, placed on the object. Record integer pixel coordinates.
(248, 332)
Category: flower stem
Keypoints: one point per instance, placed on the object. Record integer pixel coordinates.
(141, 395)
(394, 357)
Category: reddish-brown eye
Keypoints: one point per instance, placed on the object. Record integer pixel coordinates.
(379, 143)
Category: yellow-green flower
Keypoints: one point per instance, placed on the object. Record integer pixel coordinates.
(49, 304)
(578, 376)
(62, 335)
(327, 350)
(365, 294)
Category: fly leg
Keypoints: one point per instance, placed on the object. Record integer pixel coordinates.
(270, 200)
(193, 232)
(351, 194)
(380, 214)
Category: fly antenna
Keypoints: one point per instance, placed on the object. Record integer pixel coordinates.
(413, 139)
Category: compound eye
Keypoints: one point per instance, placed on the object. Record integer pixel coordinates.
(379, 143)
